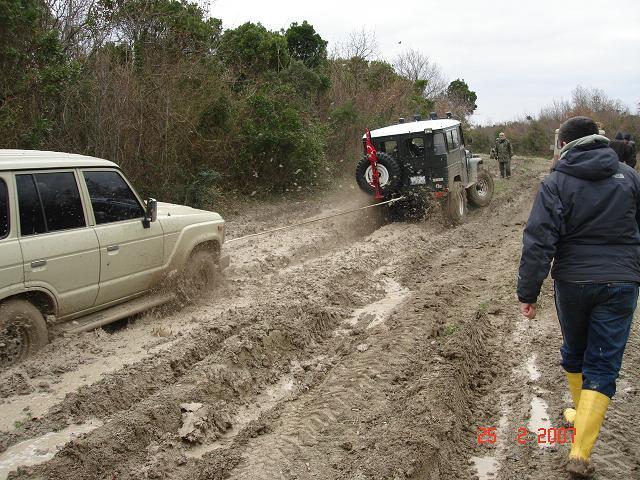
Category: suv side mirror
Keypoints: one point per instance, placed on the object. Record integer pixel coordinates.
(151, 215)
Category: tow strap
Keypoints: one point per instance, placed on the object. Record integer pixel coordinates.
(314, 220)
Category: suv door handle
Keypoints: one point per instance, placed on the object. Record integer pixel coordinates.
(38, 263)
(113, 248)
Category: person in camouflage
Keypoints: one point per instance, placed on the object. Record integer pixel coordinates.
(503, 153)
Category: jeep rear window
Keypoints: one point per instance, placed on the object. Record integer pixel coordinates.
(49, 202)
(415, 147)
(4, 210)
(111, 197)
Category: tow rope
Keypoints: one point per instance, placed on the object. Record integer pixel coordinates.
(314, 220)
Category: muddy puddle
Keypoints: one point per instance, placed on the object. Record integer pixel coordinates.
(37, 404)
(43, 448)
(486, 467)
(377, 312)
(265, 401)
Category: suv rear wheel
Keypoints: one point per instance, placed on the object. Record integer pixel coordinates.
(23, 331)
(455, 207)
(481, 192)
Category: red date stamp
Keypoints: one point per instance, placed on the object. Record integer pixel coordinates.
(544, 436)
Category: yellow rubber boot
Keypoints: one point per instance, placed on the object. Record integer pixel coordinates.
(575, 387)
(589, 417)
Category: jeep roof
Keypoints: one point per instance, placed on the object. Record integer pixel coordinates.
(40, 160)
(413, 127)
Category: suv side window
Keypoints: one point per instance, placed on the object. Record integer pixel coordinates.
(4, 210)
(111, 197)
(49, 202)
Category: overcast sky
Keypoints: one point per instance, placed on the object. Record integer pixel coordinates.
(517, 56)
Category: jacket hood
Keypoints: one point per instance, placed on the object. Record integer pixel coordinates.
(589, 158)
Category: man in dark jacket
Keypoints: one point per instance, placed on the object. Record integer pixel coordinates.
(632, 150)
(585, 218)
(622, 149)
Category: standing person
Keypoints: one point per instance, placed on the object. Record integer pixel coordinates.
(621, 148)
(585, 218)
(503, 154)
(632, 150)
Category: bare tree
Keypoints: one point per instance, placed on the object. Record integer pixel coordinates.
(360, 44)
(416, 66)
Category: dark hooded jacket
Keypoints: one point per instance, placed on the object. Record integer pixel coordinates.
(584, 218)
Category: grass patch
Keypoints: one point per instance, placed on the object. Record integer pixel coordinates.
(450, 329)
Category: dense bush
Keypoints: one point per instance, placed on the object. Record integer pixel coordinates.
(189, 109)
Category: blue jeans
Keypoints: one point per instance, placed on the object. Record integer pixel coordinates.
(595, 319)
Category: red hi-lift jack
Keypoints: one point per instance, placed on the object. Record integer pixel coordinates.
(372, 155)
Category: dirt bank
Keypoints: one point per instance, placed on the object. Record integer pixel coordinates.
(347, 349)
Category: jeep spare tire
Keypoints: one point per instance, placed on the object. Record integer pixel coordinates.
(388, 174)
(481, 192)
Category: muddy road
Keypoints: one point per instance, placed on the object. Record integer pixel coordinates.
(345, 349)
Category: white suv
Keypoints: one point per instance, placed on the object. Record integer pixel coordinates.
(78, 243)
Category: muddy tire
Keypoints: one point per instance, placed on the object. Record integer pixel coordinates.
(200, 273)
(455, 205)
(388, 170)
(23, 331)
(480, 193)
(414, 208)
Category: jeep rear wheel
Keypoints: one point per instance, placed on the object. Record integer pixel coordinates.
(23, 331)
(481, 192)
(388, 174)
(455, 207)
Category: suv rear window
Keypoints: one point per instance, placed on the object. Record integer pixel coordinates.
(4, 210)
(49, 202)
(111, 197)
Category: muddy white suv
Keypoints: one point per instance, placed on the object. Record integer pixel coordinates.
(80, 249)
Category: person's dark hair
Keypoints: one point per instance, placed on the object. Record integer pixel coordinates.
(577, 127)
(627, 137)
(619, 136)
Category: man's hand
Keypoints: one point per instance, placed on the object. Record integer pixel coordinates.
(528, 310)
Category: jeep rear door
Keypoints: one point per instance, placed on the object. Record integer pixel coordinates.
(59, 248)
(130, 255)
(413, 149)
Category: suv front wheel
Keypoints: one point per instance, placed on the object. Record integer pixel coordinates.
(200, 273)
(23, 331)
